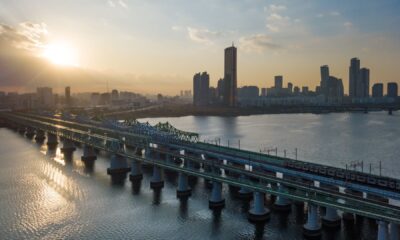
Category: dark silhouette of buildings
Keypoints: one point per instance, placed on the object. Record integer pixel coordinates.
(201, 89)
(247, 92)
(230, 77)
(68, 96)
(377, 90)
(392, 90)
(324, 80)
(358, 80)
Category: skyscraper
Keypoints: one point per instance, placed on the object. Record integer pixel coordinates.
(68, 96)
(324, 79)
(392, 90)
(278, 82)
(363, 83)
(377, 90)
(230, 78)
(354, 71)
(201, 89)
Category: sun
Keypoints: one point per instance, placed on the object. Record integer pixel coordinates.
(61, 53)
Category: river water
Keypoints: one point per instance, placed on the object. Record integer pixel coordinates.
(42, 196)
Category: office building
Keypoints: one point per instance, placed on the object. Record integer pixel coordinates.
(230, 77)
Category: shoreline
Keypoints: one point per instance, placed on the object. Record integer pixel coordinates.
(190, 110)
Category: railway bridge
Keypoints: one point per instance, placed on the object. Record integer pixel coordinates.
(325, 190)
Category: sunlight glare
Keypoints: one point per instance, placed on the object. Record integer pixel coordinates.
(61, 54)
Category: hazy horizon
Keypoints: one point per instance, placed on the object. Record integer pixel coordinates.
(157, 47)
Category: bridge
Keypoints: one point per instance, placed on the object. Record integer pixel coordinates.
(167, 150)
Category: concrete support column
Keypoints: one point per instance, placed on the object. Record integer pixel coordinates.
(382, 230)
(30, 132)
(282, 203)
(52, 140)
(243, 192)
(118, 169)
(89, 156)
(312, 228)
(136, 167)
(258, 213)
(394, 231)
(40, 136)
(68, 148)
(183, 190)
(216, 201)
(21, 129)
(331, 218)
(157, 180)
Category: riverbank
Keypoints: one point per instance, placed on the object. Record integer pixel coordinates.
(190, 110)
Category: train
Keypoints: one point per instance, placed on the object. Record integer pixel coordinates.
(343, 174)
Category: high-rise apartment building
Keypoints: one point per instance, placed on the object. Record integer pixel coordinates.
(230, 76)
(377, 90)
(358, 80)
(392, 90)
(324, 80)
(201, 89)
(68, 96)
(354, 70)
(363, 83)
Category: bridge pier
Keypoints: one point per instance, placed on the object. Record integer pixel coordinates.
(68, 149)
(118, 169)
(157, 181)
(183, 191)
(52, 140)
(216, 201)
(21, 129)
(30, 132)
(136, 167)
(394, 231)
(282, 203)
(89, 156)
(258, 213)
(331, 218)
(312, 228)
(40, 136)
(243, 192)
(382, 230)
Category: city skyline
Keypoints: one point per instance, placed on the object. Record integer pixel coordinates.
(273, 38)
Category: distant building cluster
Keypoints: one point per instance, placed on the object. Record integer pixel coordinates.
(330, 91)
(44, 98)
(226, 93)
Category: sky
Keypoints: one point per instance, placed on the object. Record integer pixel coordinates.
(156, 46)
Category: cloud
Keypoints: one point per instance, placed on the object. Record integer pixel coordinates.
(276, 21)
(203, 35)
(334, 13)
(177, 28)
(111, 3)
(348, 25)
(275, 8)
(115, 3)
(26, 36)
(122, 4)
(258, 43)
